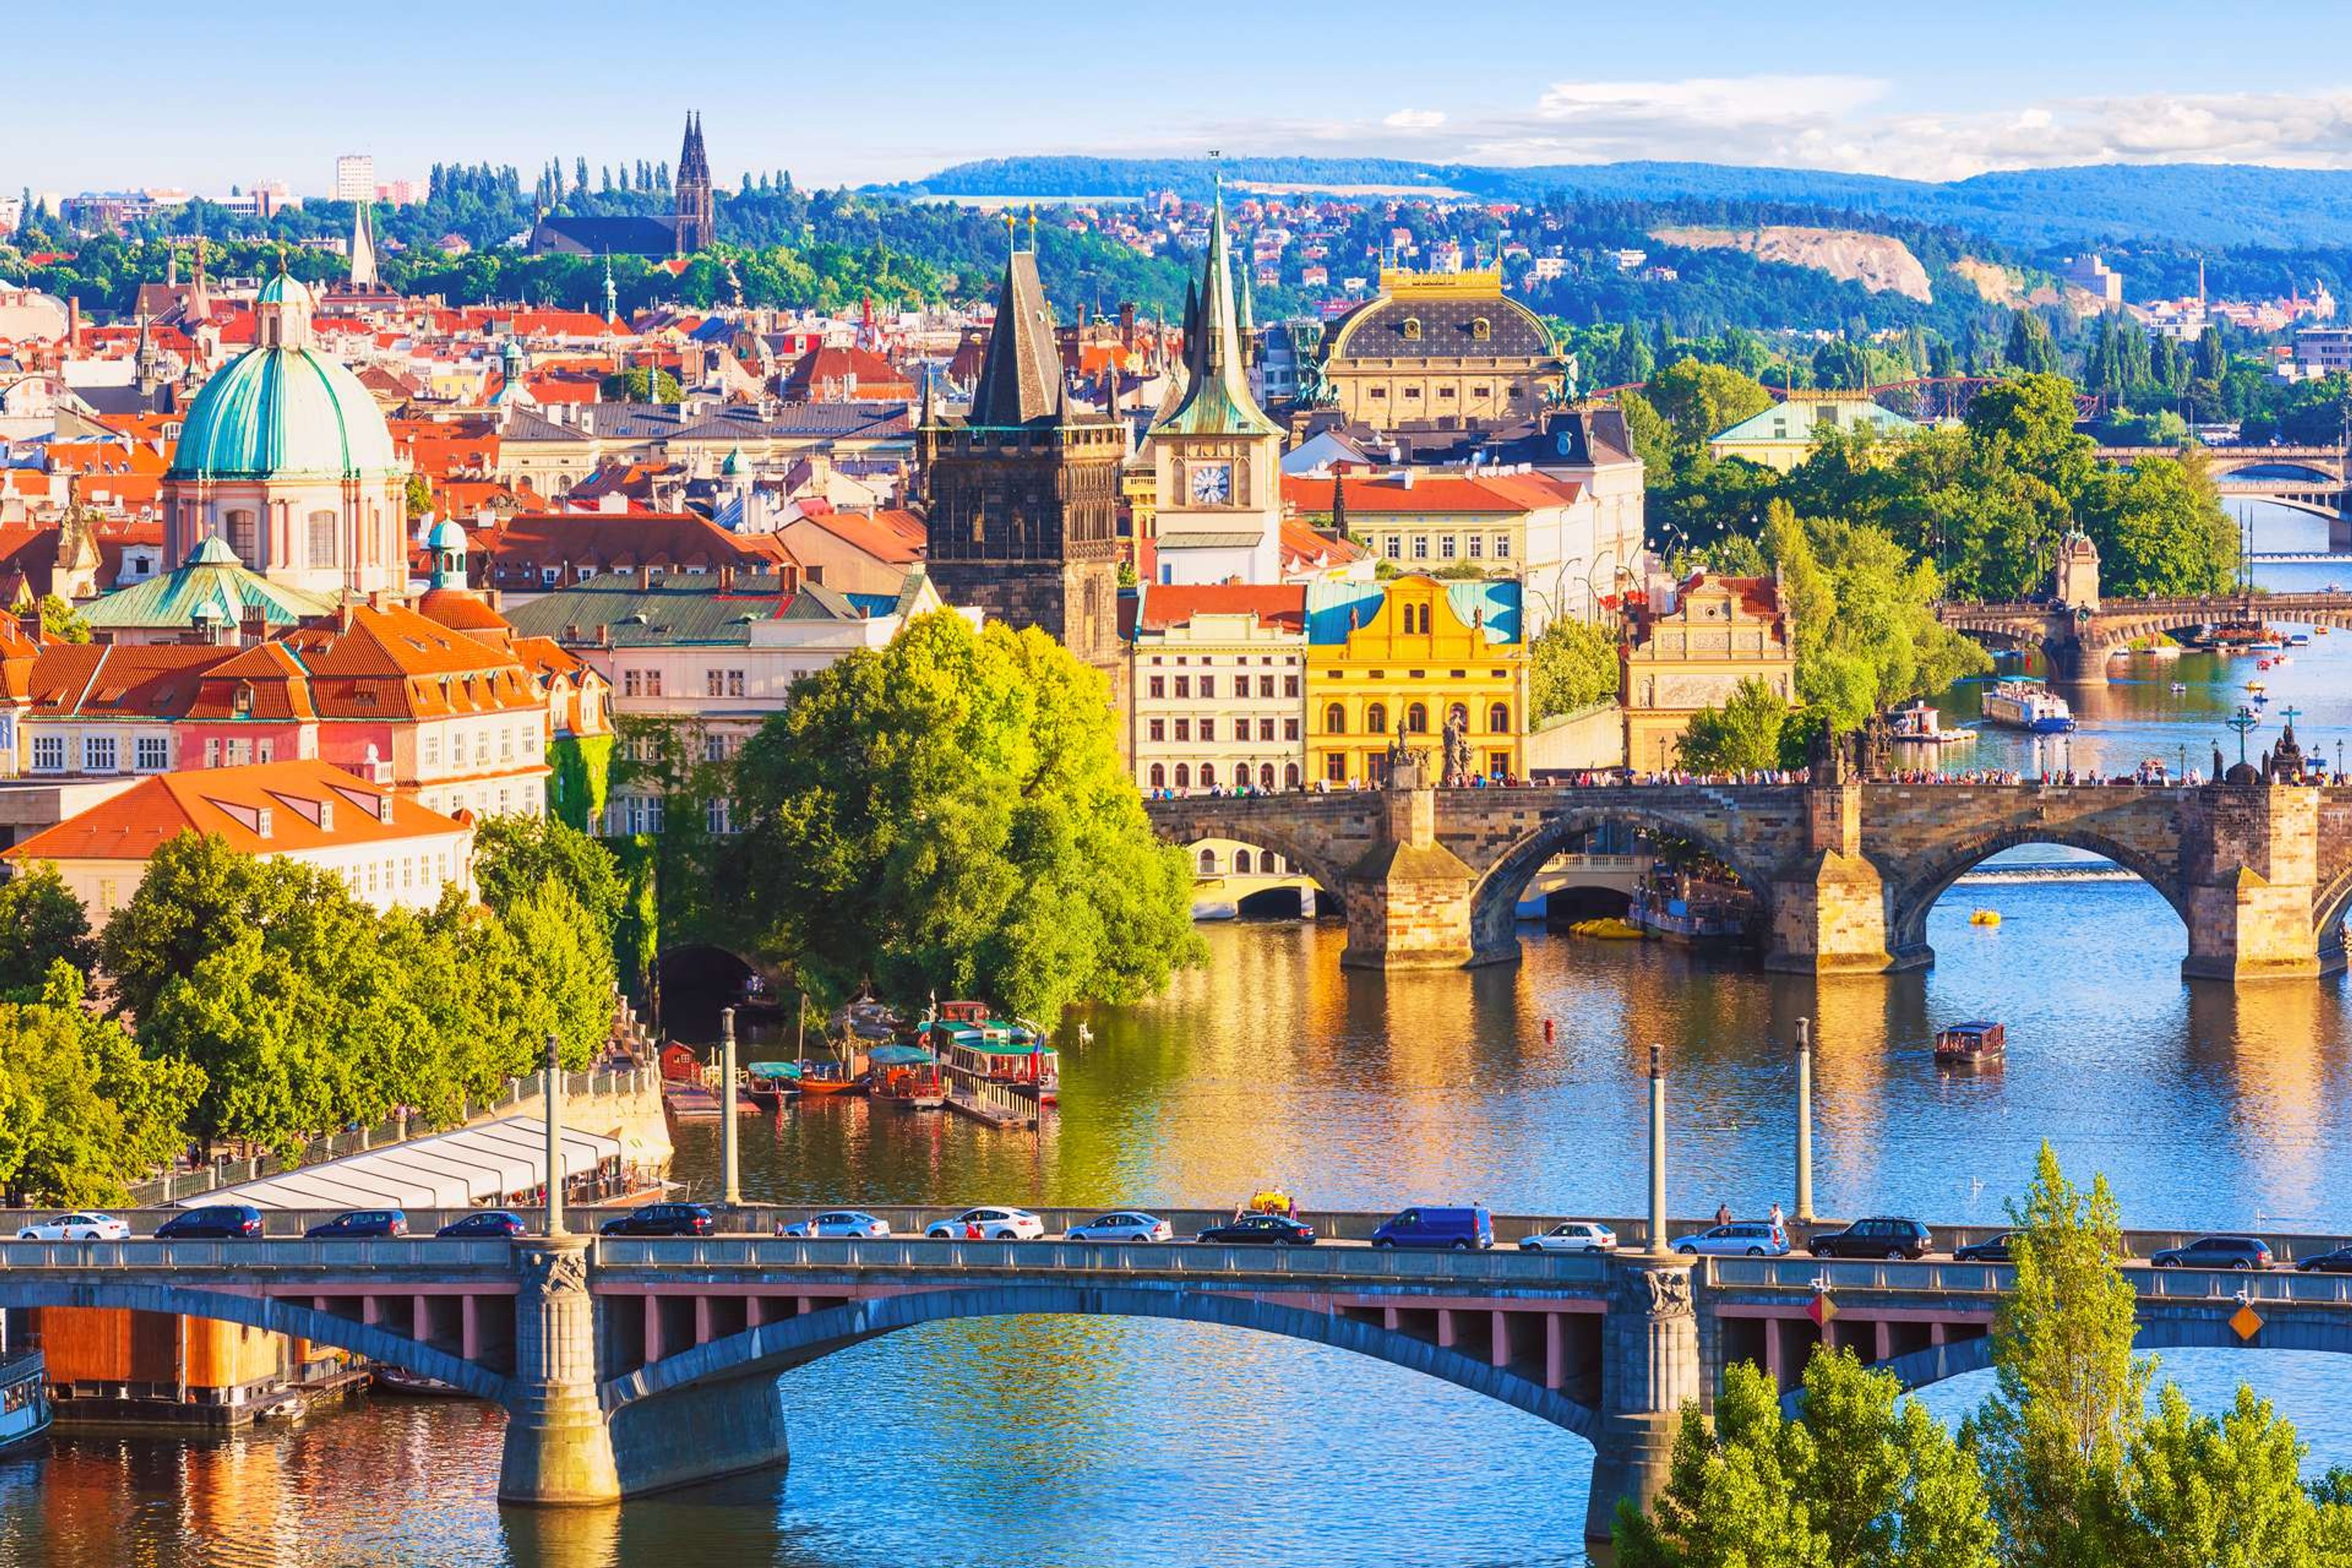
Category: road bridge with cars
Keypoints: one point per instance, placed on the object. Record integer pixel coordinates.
(628, 1365)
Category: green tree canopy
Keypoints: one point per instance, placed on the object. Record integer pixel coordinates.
(82, 1112)
(513, 855)
(1700, 401)
(1572, 665)
(41, 923)
(1742, 735)
(948, 815)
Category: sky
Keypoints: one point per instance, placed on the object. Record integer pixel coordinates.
(855, 93)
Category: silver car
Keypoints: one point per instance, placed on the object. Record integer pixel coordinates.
(1571, 1236)
(1740, 1239)
(853, 1223)
(1126, 1224)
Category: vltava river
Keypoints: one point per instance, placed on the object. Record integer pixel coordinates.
(1050, 1441)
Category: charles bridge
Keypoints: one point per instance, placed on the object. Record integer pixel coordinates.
(631, 1365)
(2076, 639)
(1845, 870)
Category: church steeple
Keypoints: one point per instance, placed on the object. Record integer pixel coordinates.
(1217, 398)
(363, 273)
(1021, 373)
(696, 227)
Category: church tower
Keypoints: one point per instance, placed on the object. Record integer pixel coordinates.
(1024, 492)
(365, 279)
(1215, 454)
(696, 227)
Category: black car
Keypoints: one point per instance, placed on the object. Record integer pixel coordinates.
(1260, 1229)
(662, 1219)
(1991, 1250)
(485, 1222)
(2217, 1252)
(361, 1223)
(2337, 1262)
(1881, 1237)
(215, 1222)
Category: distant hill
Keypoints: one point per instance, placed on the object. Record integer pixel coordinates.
(2177, 205)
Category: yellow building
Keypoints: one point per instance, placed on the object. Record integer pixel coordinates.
(1692, 654)
(1441, 346)
(1401, 657)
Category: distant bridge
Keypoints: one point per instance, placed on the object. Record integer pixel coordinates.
(2308, 479)
(2077, 640)
(632, 1366)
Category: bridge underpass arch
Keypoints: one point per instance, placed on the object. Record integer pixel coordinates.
(1245, 861)
(1912, 901)
(696, 979)
(771, 1349)
(275, 1315)
(1495, 900)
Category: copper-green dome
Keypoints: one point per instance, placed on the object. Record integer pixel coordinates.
(283, 412)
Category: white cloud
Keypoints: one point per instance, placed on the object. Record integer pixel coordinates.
(1415, 120)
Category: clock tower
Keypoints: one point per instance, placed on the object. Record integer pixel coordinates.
(1215, 455)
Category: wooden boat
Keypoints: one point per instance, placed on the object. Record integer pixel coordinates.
(824, 1077)
(400, 1380)
(1968, 1044)
(907, 1077)
(770, 1084)
(1012, 1052)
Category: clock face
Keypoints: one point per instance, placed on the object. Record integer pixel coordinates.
(1213, 483)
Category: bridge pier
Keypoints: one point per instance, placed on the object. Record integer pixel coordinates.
(1650, 1370)
(2072, 663)
(2252, 882)
(1408, 896)
(559, 1449)
(1830, 909)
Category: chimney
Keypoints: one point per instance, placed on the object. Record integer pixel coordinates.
(726, 579)
(73, 323)
(251, 629)
(788, 577)
(571, 632)
(375, 598)
(30, 619)
(645, 576)
(604, 635)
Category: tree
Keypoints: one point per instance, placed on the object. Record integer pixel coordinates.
(1700, 401)
(2030, 347)
(2228, 1490)
(2054, 1433)
(514, 854)
(640, 386)
(61, 621)
(197, 892)
(1842, 364)
(1742, 735)
(82, 1113)
(570, 980)
(1572, 665)
(948, 815)
(41, 923)
(2160, 528)
(419, 497)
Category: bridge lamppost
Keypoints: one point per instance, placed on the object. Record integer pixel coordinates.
(1804, 1214)
(552, 1095)
(733, 1194)
(1658, 1243)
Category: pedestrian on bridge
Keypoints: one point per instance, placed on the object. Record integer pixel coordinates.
(1723, 1213)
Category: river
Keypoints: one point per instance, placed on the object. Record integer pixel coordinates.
(1059, 1441)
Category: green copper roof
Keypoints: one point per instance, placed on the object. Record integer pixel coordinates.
(213, 586)
(1217, 399)
(285, 411)
(281, 289)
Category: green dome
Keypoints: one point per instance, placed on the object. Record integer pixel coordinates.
(283, 411)
(281, 289)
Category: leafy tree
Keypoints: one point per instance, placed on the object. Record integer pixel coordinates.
(2160, 528)
(256, 1024)
(568, 980)
(1842, 364)
(1700, 401)
(82, 1113)
(1742, 735)
(2205, 1490)
(61, 621)
(949, 814)
(513, 855)
(1571, 665)
(2055, 1434)
(197, 893)
(419, 498)
(41, 923)
(640, 386)
(2030, 348)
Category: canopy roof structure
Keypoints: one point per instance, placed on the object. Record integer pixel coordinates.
(471, 1166)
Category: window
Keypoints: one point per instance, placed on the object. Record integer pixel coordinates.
(481, 748)
(98, 753)
(1478, 546)
(1158, 730)
(1335, 720)
(1265, 686)
(1183, 729)
(1417, 720)
(1498, 718)
(1445, 548)
(1290, 728)
(1208, 861)
(1411, 329)
(212, 751)
(1208, 728)
(1290, 775)
(714, 683)
(1265, 781)
(1376, 718)
(717, 748)
(1481, 328)
(1158, 686)
(1334, 768)
(653, 683)
(240, 754)
(324, 528)
(152, 754)
(1158, 774)
(1502, 547)
(264, 750)
(432, 748)
(506, 745)
(243, 538)
(632, 682)
(1183, 776)
(718, 816)
(1242, 862)
(1208, 775)
(1290, 686)
(1421, 547)
(1209, 687)
(1183, 686)
(1265, 729)
(1395, 542)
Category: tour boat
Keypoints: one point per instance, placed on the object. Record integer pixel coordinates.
(1013, 1052)
(1921, 725)
(770, 1084)
(907, 1077)
(24, 1402)
(2298, 639)
(2266, 643)
(1967, 1044)
(2020, 703)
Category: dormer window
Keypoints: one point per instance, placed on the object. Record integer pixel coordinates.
(243, 699)
(1481, 328)
(1413, 329)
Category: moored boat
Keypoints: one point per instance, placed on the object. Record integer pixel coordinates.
(24, 1402)
(770, 1084)
(2020, 703)
(1921, 725)
(1967, 1044)
(907, 1077)
(823, 1077)
(1013, 1052)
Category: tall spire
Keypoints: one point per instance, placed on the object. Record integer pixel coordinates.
(1217, 396)
(1021, 374)
(363, 273)
(612, 295)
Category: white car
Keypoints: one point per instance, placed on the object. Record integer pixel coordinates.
(1571, 1236)
(989, 1224)
(1127, 1224)
(78, 1227)
(853, 1223)
(1740, 1239)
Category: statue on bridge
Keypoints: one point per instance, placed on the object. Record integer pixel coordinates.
(1457, 751)
(1408, 766)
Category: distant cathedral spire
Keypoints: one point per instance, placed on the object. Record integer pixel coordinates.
(363, 273)
(696, 227)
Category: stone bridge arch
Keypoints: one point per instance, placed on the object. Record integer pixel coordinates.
(1915, 898)
(1495, 897)
(770, 1349)
(1273, 823)
(274, 1314)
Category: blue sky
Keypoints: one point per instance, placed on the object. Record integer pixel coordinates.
(848, 93)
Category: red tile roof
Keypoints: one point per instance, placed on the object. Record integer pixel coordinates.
(311, 805)
(1173, 605)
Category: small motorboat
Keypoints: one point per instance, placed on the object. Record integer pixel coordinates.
(821, 1077)
(1984, 917)
(770, 1084)
(1970, 1044)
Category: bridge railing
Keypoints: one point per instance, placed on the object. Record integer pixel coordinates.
(147, 1253)
(1991, 1279)
(914, 1253)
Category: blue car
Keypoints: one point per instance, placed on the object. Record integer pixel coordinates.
(485, 1223)
(1463, 1228)
(853, 1223)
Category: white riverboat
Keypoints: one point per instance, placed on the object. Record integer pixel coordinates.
(1921, 725)
(2018, 703)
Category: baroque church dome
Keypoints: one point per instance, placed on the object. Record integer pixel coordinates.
(283, 410)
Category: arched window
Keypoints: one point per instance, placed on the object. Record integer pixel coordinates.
(1241, 862)
(1290, 775)
(1266, 775)
(1498, 718)
(1208, 775)
(1335, 720)
(1417, 720)
(1159, 776)
(1424, 620)
(1208, 862)
(1183, 776)
(1413, 329)
(325, 528)
(1376, 718)
(244, 538)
